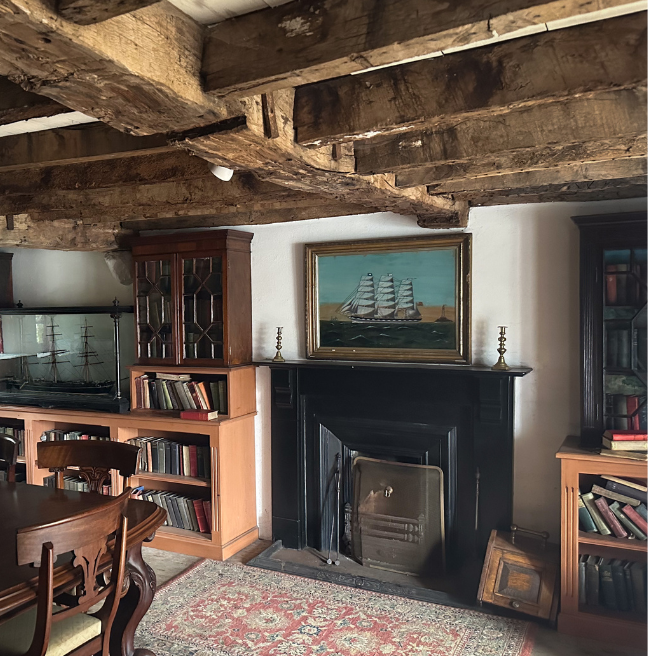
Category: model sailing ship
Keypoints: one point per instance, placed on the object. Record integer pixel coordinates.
(53, 382)
(384, 304)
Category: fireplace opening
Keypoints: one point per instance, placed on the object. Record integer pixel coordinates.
(397, 517)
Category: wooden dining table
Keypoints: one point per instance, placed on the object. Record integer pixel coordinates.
(26, 505)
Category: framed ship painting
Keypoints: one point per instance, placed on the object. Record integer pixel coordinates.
(404, 299)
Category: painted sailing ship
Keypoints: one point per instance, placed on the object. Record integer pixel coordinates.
(53, 383)
(384, 304)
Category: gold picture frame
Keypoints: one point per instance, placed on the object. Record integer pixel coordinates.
(402, 299)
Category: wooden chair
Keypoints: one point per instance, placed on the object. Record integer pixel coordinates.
(8, 456)
(51, 630)
(94, 458)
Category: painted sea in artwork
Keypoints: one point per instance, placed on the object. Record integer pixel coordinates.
(404, 300)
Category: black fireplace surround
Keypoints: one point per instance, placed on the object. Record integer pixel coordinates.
(459, 418)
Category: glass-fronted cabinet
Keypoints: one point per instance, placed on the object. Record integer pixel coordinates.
(613, 324)
(193, 298)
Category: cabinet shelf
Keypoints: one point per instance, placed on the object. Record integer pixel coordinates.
(184, 534)
(173, 478)
(623, 544)
(623, 616)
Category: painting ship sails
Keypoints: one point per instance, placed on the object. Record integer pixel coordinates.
(388, 303)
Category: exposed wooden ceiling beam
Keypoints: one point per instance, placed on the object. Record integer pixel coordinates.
(278, 159)
(538, 68)
(16, 104)
(171, 187)
(139, 72)
(63, 235)
(600, 126)
(87, 12)
(308, 41)
(73, 145)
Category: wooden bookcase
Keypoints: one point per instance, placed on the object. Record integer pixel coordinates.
(231, 489)
(576, 618)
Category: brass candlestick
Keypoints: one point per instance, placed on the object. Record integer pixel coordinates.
(278, 357)
(501, 365)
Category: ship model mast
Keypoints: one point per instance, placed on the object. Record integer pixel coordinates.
(54, 353)
(87, 353)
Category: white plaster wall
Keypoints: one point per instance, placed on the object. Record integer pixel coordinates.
(44, 278)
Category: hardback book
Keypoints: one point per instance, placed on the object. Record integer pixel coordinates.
(167, 457)
(628, 584)
(179, 388)
(625, 445)
(592, 581)
(201, 388)
(193, 460)
(628, 483)
(620, 407)
(191, 511)
(634, 530)
(200, 516)
(184, 512)
(623, 360)
(585, 520)
(633, 412)
(615, 496)
(159, 389)
(191, 386)
(207, 507)
(189, 396)
(638, 574)
(610, 519)
(603, 528)
(635, 517)
(582, 594)
(641, 509)
(610, 284)
(622, 595)
(199, 415)
(222, 396)
(174, 377)
(629, 455)
(173, 500)
(608, 591)
(186, 465)
(213, 388)
(626, 436)
(622, 284)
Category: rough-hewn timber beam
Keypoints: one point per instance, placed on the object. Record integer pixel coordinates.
(87, 12)
(168, 186)
(63, 235)
(603, 126)
(16, 104)
(277, 159)
(306, 41)
(73, 145)
(505, 184)
(139, 72)
(533, 69)
(593, 190)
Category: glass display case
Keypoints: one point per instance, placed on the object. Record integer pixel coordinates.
(613, 324)
(66, 357)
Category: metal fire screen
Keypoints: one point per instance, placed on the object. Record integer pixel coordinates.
(398, 516)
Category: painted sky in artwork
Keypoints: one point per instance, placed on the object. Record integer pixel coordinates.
(432, 273)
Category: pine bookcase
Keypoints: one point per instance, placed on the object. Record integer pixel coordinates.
(575, 618)
(232, 486)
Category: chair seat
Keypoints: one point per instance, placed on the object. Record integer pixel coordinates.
(16, 634)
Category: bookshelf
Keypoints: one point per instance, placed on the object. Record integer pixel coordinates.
(580, 465)
(231, 488)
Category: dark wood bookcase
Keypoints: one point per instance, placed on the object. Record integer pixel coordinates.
(612, 323)
(193, 300)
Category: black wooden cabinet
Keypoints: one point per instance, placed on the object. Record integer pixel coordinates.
(613, 323)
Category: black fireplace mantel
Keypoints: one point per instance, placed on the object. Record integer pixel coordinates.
(431, 405)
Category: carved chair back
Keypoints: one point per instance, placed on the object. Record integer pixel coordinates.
(8, 456)
(94, 458)
(88, 536)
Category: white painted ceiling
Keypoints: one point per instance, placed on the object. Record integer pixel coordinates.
(215, 11)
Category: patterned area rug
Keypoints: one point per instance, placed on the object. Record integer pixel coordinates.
(218, 609)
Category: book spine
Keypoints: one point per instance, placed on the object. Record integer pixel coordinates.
(615, 496)
(610, 285)
(631, 526)
(193, 460)
(638, 573)
(636, 518)
(631, 492)
(633, 411)
(610, 519)
(641, 509)
(621, 593)
(588, 499)
(584, 518)
(208, 514)
(624, 445)
(607, 586)
(200, 516)
(592, 581)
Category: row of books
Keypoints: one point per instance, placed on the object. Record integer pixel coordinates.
(623, 286)
(612, 583)
(625, 444)
(74, 483)
(57, 434)
(617, 509)
(182, 512)
(626, 412)
(618, 352)
(161, 456)
(21, 476)
(178, 392)
(18, 434)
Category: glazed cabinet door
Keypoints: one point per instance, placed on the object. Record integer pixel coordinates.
(202, 327)
(155, 309)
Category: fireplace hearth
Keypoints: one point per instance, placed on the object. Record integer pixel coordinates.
(423, 535)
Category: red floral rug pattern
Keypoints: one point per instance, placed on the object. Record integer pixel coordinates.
(217, 609)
